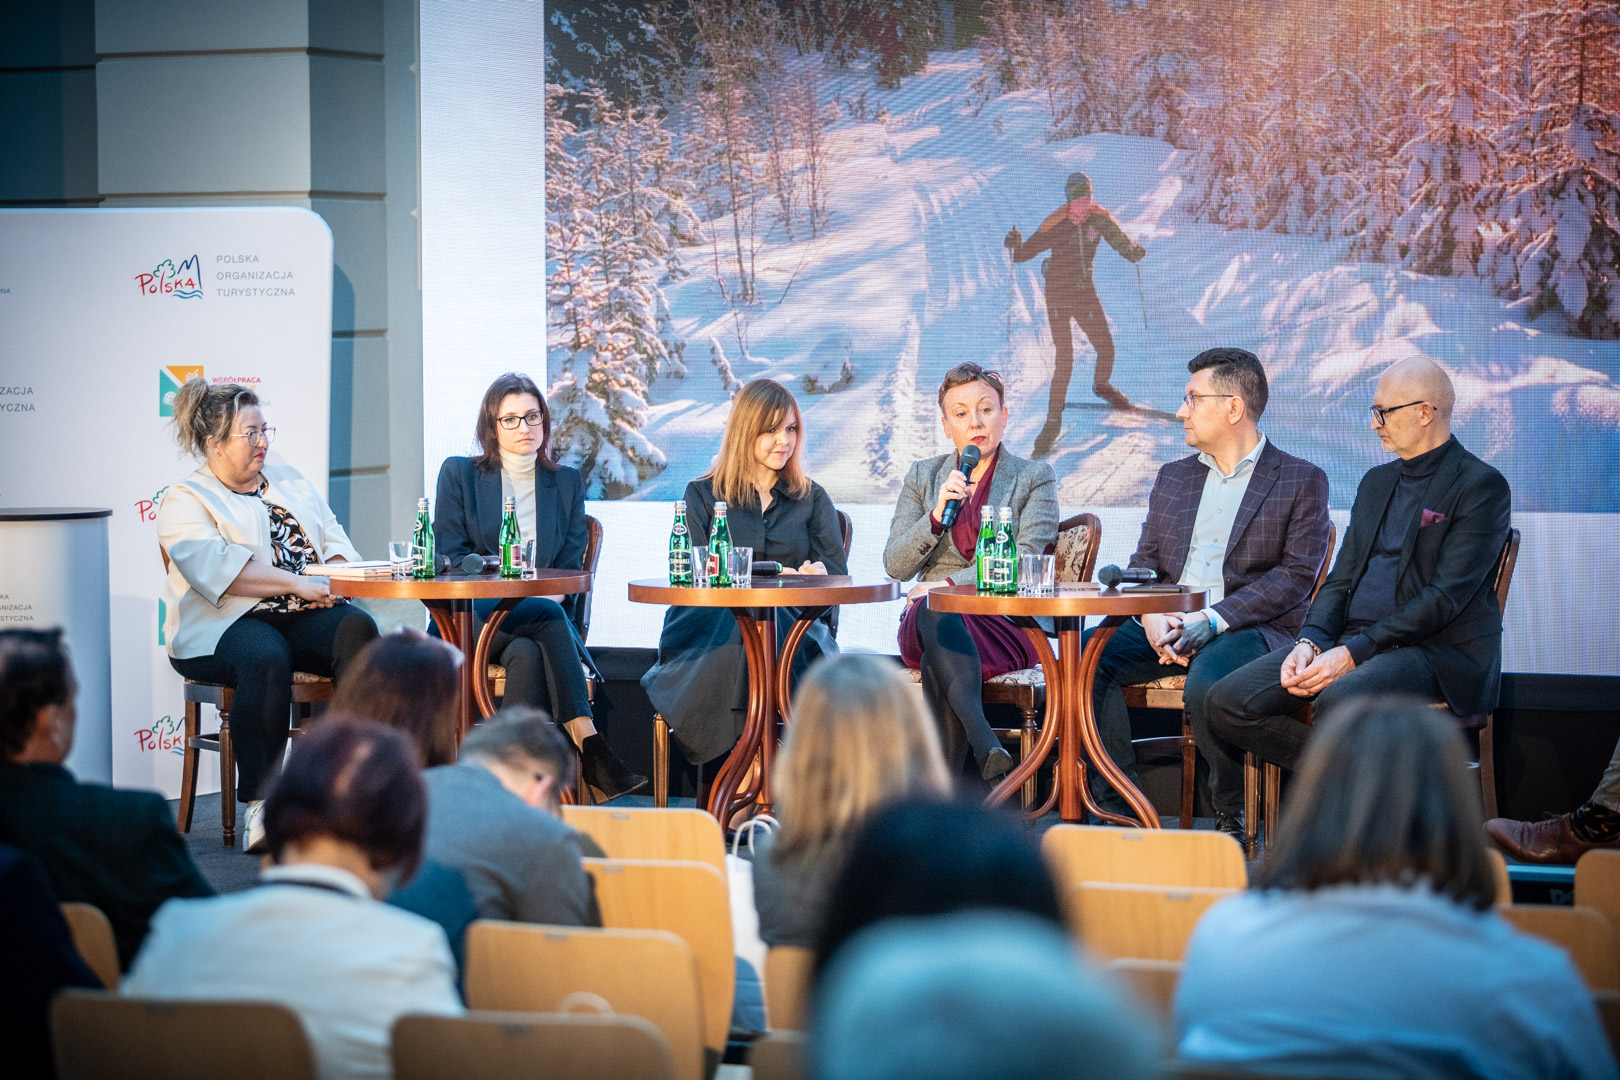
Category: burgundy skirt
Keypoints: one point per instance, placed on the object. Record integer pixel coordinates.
(1002, 646)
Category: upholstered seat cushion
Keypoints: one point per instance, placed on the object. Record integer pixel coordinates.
(1024, 677)
(1168, 682)
(309, 677)
(1070, 552)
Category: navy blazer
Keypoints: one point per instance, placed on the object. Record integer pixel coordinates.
(1444, 585)
(1278, 542)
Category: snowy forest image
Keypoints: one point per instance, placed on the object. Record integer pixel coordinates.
(848, 196)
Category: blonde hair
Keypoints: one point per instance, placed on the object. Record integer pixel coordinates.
(759, 407)
(203, 413)
(860, 737)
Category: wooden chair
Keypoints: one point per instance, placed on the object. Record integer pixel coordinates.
(778, 1055)
(96, 1035)
(308, 689)
(1153, 980)
(671, 833)
(1504, 884)
(1584, 934)
(1597, 884)
(93, 937)
(846, 529)
(1140, 922)
(558, 1046)
(787, 987)
(520, 967)
(1608, 1006)
(1483, 723)
(1169, 858)
(496, 673)
(691, 901)
(1166, 693)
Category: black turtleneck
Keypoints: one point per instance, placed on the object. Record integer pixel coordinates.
(1374, 598)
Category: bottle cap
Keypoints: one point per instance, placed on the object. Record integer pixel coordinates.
(510, 500)
(1006, 513)
(422, 503)
(680, 504)
(719, 507)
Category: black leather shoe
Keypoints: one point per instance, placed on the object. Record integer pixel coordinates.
(1231, 825)
(608, 777)
(997, 763)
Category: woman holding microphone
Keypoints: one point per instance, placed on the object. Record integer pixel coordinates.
(238, 535)
(956, 653)
(539, 643)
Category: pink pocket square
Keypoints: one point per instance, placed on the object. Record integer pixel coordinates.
(1431, 517)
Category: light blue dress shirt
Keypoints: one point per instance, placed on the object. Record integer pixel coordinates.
(1217, 509)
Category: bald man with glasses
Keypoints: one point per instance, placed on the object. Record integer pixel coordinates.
(1409, 607)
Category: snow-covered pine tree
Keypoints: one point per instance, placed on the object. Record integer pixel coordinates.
(1219, 175)
(1168, 51)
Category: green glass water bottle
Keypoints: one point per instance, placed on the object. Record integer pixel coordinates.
(720, 550)
(422, 548)
(680, 548)
(1006, 565)
(511, 539)
(984, 553)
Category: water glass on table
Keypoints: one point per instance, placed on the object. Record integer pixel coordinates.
(1037, 575)
(742, 566)
(400, 559)
(527, 554)
(700, 566)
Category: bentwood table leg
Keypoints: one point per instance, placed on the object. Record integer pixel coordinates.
(480, 657)
(784, 697)
(754, 769)
(454, 620)
(1078, 674)
(761, 687)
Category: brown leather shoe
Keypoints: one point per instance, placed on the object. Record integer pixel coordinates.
(1549, 841)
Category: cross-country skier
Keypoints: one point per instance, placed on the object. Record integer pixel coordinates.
(1072, 233)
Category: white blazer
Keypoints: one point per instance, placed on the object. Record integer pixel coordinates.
(210, 532)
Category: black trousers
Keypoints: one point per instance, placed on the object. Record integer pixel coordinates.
(1249, 709)
(1128, 659)
(536, 645)
(952, 677)
(256, 657)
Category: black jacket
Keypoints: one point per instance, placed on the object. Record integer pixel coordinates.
(1444, 588)
(117, 850)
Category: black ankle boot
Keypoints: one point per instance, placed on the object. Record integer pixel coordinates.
(997, 763)
(604, 772)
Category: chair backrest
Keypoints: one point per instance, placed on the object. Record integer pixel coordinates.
(778, 1055)
(1141, 922)
(787, 986)
(1608, 1005)
(93, 937)
(1581, 932)
(1597, 883)
(1504, 569)
(1327, 560)
(691, 901)
(96, 1035)
(1154, 981)
(1499, 874)
(1164, 857)
(558, 1046)
(1076, 548)
(520, 967)
(666, 833)
(593, 553)
(846, 531)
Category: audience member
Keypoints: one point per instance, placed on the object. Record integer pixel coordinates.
(37, 959)
(343, 820)
(117, 850)
(928, 999)
(1563, 839)
(1370, 947)
(406, 681)
(496, 816)
(859, 738)
(933, 858)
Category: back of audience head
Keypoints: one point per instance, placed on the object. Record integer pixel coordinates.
(859, 738)
(408, 682)
(928, 999)
(933, 858)
(1383, 795)
(355, 785)
(37, 688)
(527, 753)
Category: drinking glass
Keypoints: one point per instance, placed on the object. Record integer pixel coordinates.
(700, 566)
(400, 561)
(1037, 575)
(742, 566)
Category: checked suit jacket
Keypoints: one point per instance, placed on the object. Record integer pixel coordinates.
(1278, 541)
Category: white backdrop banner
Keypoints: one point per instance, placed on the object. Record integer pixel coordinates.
(103, 315)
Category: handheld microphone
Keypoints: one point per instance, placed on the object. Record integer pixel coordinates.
(1111, 576)
(479, 564)
(966, 464)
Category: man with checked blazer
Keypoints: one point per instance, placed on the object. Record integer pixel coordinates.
(1246, 523)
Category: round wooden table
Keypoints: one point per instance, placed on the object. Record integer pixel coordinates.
(449, 599)
(1070, 722)
(770, 673)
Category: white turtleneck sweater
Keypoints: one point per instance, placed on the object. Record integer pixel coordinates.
(517, 481)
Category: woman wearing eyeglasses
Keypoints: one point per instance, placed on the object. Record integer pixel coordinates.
(238, 537)
(539, 643)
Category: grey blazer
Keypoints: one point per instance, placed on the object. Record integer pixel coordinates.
(913, 551)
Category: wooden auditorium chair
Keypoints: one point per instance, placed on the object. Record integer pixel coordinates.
(787, 986)
(1141, 922)
(93, 937)
(1597, 883)
(96, 1035)
(1169, 858)
(674, 833)
(1153, 981)
(500, 1045)
(1581, 932)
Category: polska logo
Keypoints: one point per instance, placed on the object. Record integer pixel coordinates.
(170, 380)
(166, 279)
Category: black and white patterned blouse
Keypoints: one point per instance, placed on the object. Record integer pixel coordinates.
(291, 548)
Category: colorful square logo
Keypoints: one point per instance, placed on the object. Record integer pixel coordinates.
(170, 380)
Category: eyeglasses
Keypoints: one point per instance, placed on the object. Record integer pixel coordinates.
(1191, 400)
(532, 418)
(1380, 415)
(256, 435)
